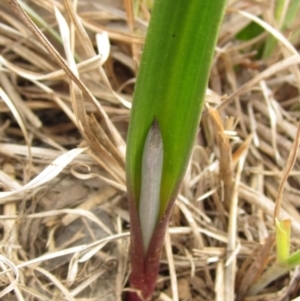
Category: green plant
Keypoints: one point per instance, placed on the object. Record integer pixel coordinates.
(284, 261)
(285, 13)
(165, 115)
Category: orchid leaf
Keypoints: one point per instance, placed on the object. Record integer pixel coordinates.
(170, 90)
(171, 85)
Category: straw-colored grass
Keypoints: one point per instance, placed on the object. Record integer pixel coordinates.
(67, 74)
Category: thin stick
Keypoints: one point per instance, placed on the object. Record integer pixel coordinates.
(289, 165)
(230, 268)
(171, 265)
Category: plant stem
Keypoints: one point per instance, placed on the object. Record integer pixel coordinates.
(170, 87)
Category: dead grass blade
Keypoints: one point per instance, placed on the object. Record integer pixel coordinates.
(56, 282)
(225, 157)
(232, 245)
(107, 161)
(253, 267)
(173, 276)
(273, 69)
(18, 118)
(279, 36)
(5, 262)
(289, 165)
(48, 174)
(39, 35)
(86, 45)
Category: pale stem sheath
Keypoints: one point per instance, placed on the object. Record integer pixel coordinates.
(152, 165)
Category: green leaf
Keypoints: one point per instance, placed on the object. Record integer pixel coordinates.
(294, 259)
(291, 13)
(290, 17)
(170, 87)
(251, 31)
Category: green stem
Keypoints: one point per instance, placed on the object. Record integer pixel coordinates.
(170, 87)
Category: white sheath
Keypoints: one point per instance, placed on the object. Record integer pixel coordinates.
(152, 164)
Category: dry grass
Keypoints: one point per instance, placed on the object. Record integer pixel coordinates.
(64, 228)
